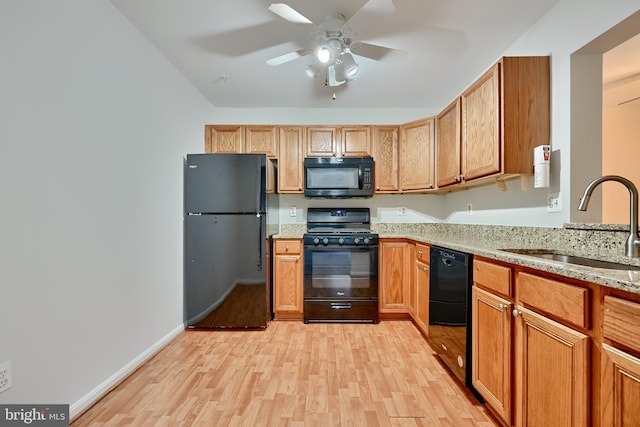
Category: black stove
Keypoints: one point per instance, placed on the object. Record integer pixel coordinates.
(340, 266)
(339, 226)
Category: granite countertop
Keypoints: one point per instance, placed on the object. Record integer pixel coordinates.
(490, 247)
(590, 241)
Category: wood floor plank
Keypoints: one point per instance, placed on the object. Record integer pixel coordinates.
(292, 374)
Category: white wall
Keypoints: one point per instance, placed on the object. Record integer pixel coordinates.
(94, 126)
(620, 154)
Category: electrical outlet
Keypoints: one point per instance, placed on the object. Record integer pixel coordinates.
(402, 211)
(5, 376)
(292, 211)
(553, 202)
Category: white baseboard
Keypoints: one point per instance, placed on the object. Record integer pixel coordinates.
(100, 391)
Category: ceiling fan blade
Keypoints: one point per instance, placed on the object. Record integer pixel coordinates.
(380, 7)
(287, 57)
(285, 11)
(374, 51)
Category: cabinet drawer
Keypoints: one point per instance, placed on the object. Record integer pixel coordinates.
(492, 276)
(622, 322)
(567, 302)
(422, 253)
(287, 246)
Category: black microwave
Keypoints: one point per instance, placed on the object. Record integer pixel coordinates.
(338, 177)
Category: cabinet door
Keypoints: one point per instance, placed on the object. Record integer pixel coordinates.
(392, 262)
(224, 139)
(412, 289)
(481, 149)
(261, 140)
(417, 155)
(356, 141)
(448, 145)
(287, 284)
(551, 372)
(620, 388)
(491, 340)
(322, 141)
(385, 156)
(291, 160)
(422, 303)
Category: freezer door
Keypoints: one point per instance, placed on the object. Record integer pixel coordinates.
(225, 183)
(225, 283)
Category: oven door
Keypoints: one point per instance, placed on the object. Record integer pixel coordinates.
(340, 272)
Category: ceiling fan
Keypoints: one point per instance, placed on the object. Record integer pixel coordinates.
(335, 44)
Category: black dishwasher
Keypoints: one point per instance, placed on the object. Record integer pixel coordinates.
(449, 310)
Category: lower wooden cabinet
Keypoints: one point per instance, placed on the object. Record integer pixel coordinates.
(620, 392)
(492, 334)
(421, 316)
(620, 388)
(394, 276)
(288, 269)
(420, 281)
(531, 369)
(552, 372)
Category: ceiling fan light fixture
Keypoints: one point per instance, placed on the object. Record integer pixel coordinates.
(311, 72)
(323, 54)
(349, 65)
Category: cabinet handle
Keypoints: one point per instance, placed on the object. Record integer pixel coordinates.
(419, 252)
(461, 177)
(501, 307)
(286, 248)
(516, 312)
(425, 269)
(430, 186)
(455, 178)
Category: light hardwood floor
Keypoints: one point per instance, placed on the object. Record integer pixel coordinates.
(292, 374)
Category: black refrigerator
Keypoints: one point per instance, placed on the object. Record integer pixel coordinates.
(229, 219)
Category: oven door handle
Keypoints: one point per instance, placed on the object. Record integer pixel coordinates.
(340, 305)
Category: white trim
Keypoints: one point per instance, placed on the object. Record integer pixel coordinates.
(101, 390)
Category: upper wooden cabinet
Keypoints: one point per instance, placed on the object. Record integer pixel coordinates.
(417, 155)
(503, 116)
(261, 140)
(291, 159)
(386, 140)
(224, 139)
(242, 139)
(448, 145)
(333, 141)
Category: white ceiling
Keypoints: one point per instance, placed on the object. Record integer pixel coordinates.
(222, 45)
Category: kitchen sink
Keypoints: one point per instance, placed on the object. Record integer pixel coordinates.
(572, 259)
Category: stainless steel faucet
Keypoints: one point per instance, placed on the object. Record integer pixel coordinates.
(632, 245)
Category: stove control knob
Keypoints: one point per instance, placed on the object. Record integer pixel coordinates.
(316, 240)
(325, 241)
(356, 240)
(341, 240)
(366, 240)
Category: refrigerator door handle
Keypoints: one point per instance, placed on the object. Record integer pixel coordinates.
(260, 243)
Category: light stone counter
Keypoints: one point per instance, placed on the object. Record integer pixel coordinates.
(603, 243)
(595, 241)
